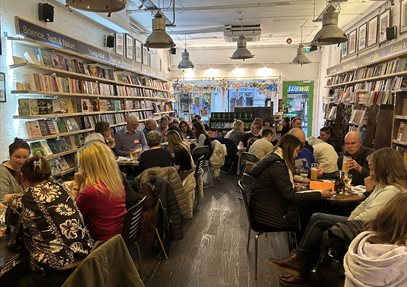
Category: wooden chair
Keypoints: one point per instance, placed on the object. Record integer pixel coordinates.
(131, 227)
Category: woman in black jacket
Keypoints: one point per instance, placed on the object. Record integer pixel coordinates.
(274, 196)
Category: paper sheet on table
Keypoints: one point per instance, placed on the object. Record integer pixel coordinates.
(309, 190)
(321, 185)
(123, 158)
(359, 189)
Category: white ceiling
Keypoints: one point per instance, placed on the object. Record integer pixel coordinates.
(202, 23)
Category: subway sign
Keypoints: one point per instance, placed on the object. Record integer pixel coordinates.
(297, 89)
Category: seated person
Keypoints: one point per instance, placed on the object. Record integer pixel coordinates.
(46, 221)
(305, 157)
(286, 126)
(261, 147)
(236, 134)
(155, 155)
(182, 157)
(327, 135)
(389, 173)
(149, 126)
(99, 191)
(186, 130)
(202, 136)
(326, 156)
(378, 257)
(10, 171)
(250, 136)
(296, 123)
(358, 164)
(163, 127)
(103, 128)
(129, 138)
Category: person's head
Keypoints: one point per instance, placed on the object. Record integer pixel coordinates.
(175, 122)
(353, 143)
(95, 137)
(154, 138)
(104, 129)
(325, 133)
(299, 133)
(267, 134)
(35, 170)
(18, 151)
(256, 128)
(97, 164)
(387, 168)
(132, 123)
(177, 129)
(286, 121)
(296, 123)
(164, 122)
(258, 120)
(198, 129)
(238, 125)
(184, 127)
(390, 224)
(175, 140)
(198, 117)
(268, 122)
(290, 145)
(151, 124)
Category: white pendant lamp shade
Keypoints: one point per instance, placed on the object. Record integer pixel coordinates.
(159, 39)
(185, 61)
(241, 52)
(97, 5)
(330, 33)
(301, 59)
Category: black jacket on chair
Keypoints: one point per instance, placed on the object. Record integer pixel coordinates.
(273, 200)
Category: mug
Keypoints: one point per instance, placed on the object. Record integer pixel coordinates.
(314, 171)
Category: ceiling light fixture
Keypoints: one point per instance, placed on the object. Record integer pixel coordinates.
(330, 33)
(108, 6)
(185, 61)
(301, 59)
(159, 39)
(241, 53)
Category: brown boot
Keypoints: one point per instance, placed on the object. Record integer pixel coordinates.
(293, 264)
(288, 280)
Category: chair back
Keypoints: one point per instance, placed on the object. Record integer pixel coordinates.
(198, 165)
(132, 223)
(245, 191)
(249, 156)
(231, 149)
(199, 151)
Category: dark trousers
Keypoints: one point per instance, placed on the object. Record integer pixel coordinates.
(54, 278)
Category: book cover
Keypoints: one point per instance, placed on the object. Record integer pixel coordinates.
(33, 129)
(63, 165)
(43, 128)
(55, 61)
(81, 68)
(54, 145)
(24, 107)
(45, 148)
(46, 57)
(94, 104)
(86, 106)
(52, 127)
(66, 105)
(33, 106)
(69, 65)
(31, 57)
(44, 106)
(62, 62)
(402, 133)
(61, 126)
(37, 149)
(55, 170)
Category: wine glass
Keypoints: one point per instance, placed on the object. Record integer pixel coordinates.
(348, 181)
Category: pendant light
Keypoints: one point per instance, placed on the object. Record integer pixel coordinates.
(97, 5)
(330, 33)
(301, 59)
(159, 39)
(241, 53)
(185, 61)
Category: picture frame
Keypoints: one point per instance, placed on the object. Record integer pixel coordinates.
(362, 37)
(403, 16)
(352, 42)
(372, 31)
(384, 23)
(2, 87)
(138, 51)
(344, 49)
(145, 55)
(129, 47)
(119, 44)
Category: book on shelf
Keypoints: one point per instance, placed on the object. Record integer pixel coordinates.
(52, 127)
(36, 149)
(31, 57)
(44, 127)
(55, 169)
(402, 132)
(27, 107)
(33, 129)
(44, 106)
(46, 149)
(63, 165)
(71, 124)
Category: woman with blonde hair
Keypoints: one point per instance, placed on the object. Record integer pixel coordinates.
(182, 157)
(99, 191)
(237, 133)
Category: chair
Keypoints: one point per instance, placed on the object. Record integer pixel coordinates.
(245, 191)
(131, 227)
(198, 172)
(232, 158)
(197, 153)
(248, 157)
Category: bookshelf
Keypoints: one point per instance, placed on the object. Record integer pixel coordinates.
(399, 131)
(63, 94)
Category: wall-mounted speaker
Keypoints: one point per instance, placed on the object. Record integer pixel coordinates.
(109, 41)
(45, 12)
(391, 33)
(173, 51)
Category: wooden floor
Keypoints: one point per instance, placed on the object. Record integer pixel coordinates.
(213, 251)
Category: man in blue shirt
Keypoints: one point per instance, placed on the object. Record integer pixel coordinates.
(129, 138)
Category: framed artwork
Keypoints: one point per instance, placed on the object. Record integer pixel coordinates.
(352, 42)
(372, 32)
(362, 37)
(344, 49)
(384, 23)
(119, 44)
(129, 47)
(145, 55)
(139, 51)
(403, 16)
(2, 87)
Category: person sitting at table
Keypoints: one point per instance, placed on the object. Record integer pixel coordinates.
(103, 128)
(174, 122)
(358, 164)
(286, 125)
(186, 130)
(326, 156)
(163, 127)
(178, 130)
(305, 158)
(129, 138)
(149, 125)
(274, 198)
(327, 135)
(237, 133)
(155, 155)
(10, 171)
(296, 123)
(250, 136)
(378, 257)
(182, 157)
(388, 172)
(99, 191)
(261, 147)
(201, 135)
(46, 221)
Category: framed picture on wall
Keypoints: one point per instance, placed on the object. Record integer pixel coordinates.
(129, 47)
(139, 51)
(352, 42)
(403, 16)
(362, 37)
(145, 55)
(344, 49)
(2, 87)
(119, 44)
(372, 32)
(384, 23)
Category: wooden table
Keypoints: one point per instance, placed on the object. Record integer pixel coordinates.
(8, 258)
(128, 162)
(346, 198)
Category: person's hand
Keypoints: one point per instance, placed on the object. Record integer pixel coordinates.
(327, 193)
(298, 178)
(353, 165)
(78, 180)
(320, 172)
(111, 142)
(297, 186)
(369, 183)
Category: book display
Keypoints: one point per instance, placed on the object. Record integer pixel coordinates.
(63, 94)
(399, 134)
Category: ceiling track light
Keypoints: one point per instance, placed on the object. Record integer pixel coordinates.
(107, 6)
(330, 33)
(159, 39)
(185, 61)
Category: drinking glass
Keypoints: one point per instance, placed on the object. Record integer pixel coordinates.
(348, 181)
(314, 171)
(345, 164)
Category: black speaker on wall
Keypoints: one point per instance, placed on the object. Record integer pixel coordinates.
(45, 12)
(391, 33)
(109, 41)
(173, 51)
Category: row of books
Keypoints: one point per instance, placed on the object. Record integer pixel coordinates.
(370, 98)
(392, 84)
(41, 128)
(164, 107)
(56, 145)
(357, 117)
(132, 79)
(331, 113)
(403, 152)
